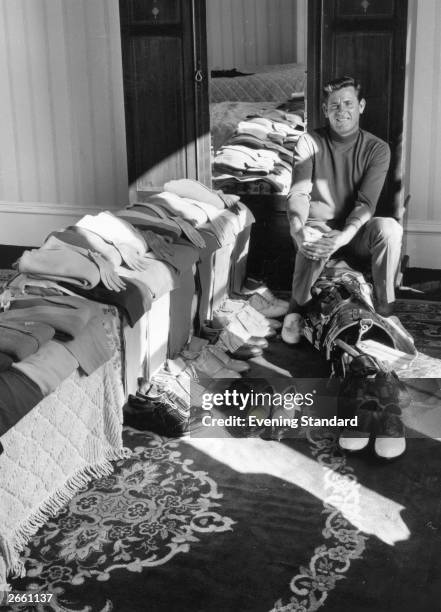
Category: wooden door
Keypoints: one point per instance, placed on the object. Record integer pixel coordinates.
(165, 91)
(365, 39)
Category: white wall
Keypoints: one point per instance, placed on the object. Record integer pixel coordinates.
(253, 32)
(423, 235)
(62, 150)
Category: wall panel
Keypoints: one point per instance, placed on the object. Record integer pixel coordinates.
(424, 135)
(253, 32)
(62, 150)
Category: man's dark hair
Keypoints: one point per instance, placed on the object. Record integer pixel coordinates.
(344, 81)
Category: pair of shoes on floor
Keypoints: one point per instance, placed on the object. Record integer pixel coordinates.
(389, 439)
(384, 447)
(292, 330)
(268, 304)
(171, 388)
(250, 350)
(212, 360)
(375, 396)
(230, 340)
(211, 365)
(245, 319)
(158, 416)
(232, 363)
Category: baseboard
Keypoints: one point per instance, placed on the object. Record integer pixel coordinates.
(25, 223)
(422, 244)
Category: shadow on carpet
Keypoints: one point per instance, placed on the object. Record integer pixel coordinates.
(249, 525)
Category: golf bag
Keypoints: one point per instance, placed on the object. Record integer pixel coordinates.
(340, 315)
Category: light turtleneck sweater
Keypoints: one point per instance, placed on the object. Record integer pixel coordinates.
(337, 179)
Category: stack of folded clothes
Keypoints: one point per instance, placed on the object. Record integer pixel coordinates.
(258, 157)
(49, 319)
(43, 340)
(132, 256)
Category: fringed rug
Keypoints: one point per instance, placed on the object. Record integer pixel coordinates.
(249, 525)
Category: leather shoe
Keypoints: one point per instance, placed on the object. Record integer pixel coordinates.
(390, 441)
(246, 352)
(352, 440)
(259, 342)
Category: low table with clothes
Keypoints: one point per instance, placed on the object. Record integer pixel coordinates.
(96, 306)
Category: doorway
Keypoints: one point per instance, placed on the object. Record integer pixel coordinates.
(254, 49)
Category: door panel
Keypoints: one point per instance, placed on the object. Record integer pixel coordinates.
(365, 39)
(163, 48)
(155, 118)
(367, 9)
(353, 53)
(159, 12)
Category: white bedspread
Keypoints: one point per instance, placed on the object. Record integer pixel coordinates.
(64, 442)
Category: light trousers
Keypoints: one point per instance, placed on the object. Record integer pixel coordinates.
(378, 240)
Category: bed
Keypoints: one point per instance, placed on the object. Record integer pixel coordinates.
(67, 439)
(241, 162)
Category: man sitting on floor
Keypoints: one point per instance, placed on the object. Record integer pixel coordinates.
(338, 175)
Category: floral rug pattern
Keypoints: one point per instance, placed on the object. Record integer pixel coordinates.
(152, 508)
(343, 542)
(156, 506)
(423, 320)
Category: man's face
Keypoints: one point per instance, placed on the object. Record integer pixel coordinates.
(343, 110)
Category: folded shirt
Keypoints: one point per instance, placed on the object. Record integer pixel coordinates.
(67, 320)
(18, 339)
(116, 253)
(279, 182)
(49, 366)
(87, 307)
(90, 348)
(254, 155)
(106, 269)
(86, 239)
(178, 207)
(215, 220)
(255, 129)
(256, 143)
(159, 277)
(283, 128)
(142, 217)
(60, 265)
(161, 221)
(24, 284)
(132, 301)
(113, 229)
(190, 188)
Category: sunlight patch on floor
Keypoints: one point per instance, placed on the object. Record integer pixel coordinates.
(370, 512)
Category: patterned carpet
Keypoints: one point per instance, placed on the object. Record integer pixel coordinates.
(235, 550)
(423, 319)
(245, 525)
(251, 526)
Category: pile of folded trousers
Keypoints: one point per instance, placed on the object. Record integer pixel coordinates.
(260, 150)
(238, 332)
(126, 258)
